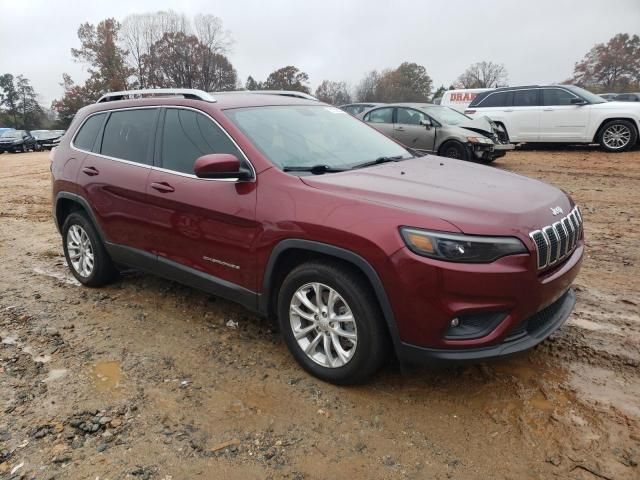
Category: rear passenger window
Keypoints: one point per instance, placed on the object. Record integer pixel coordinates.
(381, 115)
(187, 135)
(499, 99)
(86, 136)
(525, 98)
(128, 133)
(556, 96)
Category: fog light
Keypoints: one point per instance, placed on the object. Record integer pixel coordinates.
(454, 323)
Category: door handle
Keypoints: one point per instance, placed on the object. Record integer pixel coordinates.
(399, 129)
(162, 187)
(91, 171)
(507, 110)
(547, 109)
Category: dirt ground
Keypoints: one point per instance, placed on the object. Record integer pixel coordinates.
(147, 379)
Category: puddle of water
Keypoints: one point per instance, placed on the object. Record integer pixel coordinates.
(56, 374)
(62, 277)
(106, 375)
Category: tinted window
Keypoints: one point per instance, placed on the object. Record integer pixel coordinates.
(381, 115)
(127, 134)
(525, 98)
(556, 96)
(188, 135)
(409, 116)
(87, 134)
(499, 99)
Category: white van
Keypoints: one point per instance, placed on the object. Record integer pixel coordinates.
(460, 99)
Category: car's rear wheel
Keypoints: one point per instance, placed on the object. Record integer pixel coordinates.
(332, 323)
(86, 256)
(617, 136)
(453, 149)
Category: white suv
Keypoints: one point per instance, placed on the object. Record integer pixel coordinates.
(560, 113)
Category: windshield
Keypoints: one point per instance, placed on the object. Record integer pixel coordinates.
(308, 135)
(586, 94)
(446, 115)
(14, 134)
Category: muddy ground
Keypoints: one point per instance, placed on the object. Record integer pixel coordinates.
(147, 379)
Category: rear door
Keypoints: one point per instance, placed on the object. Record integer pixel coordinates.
(408, 130)
(562, 121)
(205, 225)
(524, 115)
(114, 173)
(381, 119)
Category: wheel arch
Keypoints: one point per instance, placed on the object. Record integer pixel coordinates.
(66, 203)
(607, 120)
(290, 253)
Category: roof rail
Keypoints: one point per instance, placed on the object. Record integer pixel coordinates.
(189, 93)
(283, 93)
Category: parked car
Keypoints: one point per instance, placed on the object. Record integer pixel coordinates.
(357, 108)
(560, 113)
(300, 212)
(440, 130)
(608, 96)
(48, 139)
(5, 129)
(460, 99)
(627, 97)
(17, 141)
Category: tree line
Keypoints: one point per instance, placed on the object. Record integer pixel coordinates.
(168, 49)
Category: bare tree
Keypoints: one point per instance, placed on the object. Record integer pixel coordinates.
(483, 75)
(366, 89)
(335, 93)
(140, 32)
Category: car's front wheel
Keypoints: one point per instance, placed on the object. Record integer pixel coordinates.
(86, 256)
(454, 149)
(332, 323)
(617, 136)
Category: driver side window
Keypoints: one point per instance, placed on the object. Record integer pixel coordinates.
(409, 116)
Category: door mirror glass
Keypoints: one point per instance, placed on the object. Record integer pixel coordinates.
(219, 165)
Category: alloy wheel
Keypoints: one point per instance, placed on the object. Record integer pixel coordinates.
(616, 136)
(80, 251)
(323, 325)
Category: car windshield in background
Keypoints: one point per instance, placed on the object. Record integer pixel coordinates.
(11, 135)
(310, 135)
(446, 115)
(586, 94)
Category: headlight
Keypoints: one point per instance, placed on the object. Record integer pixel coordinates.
(460, 248)
(479, 140)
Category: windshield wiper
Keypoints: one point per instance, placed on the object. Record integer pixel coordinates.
(315, 169)
(378, 161)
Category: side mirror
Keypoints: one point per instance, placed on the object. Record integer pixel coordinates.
(220, 165)
(426, 123)
(578, 101)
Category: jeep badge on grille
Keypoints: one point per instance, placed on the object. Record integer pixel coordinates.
(556, 211)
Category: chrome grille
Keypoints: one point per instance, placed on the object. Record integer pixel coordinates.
(555, 242)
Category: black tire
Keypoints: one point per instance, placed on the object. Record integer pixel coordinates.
(625, 128)
(24, 148)
(372, 347)
(103, 271)
(454, 149)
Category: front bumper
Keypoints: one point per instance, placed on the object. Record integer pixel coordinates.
(488, 151)
(528, 334)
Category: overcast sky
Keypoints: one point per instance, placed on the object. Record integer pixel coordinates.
(537, 41)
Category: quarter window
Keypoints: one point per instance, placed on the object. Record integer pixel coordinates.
(187, 135)
(525, 98)
(556, 96)
(499, 99)
(86, 137)
(380, 115)
(127, 135)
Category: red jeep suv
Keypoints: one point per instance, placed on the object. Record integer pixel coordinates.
(300, 212)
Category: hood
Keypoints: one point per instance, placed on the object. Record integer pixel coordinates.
(475, 198)
(482, 125)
